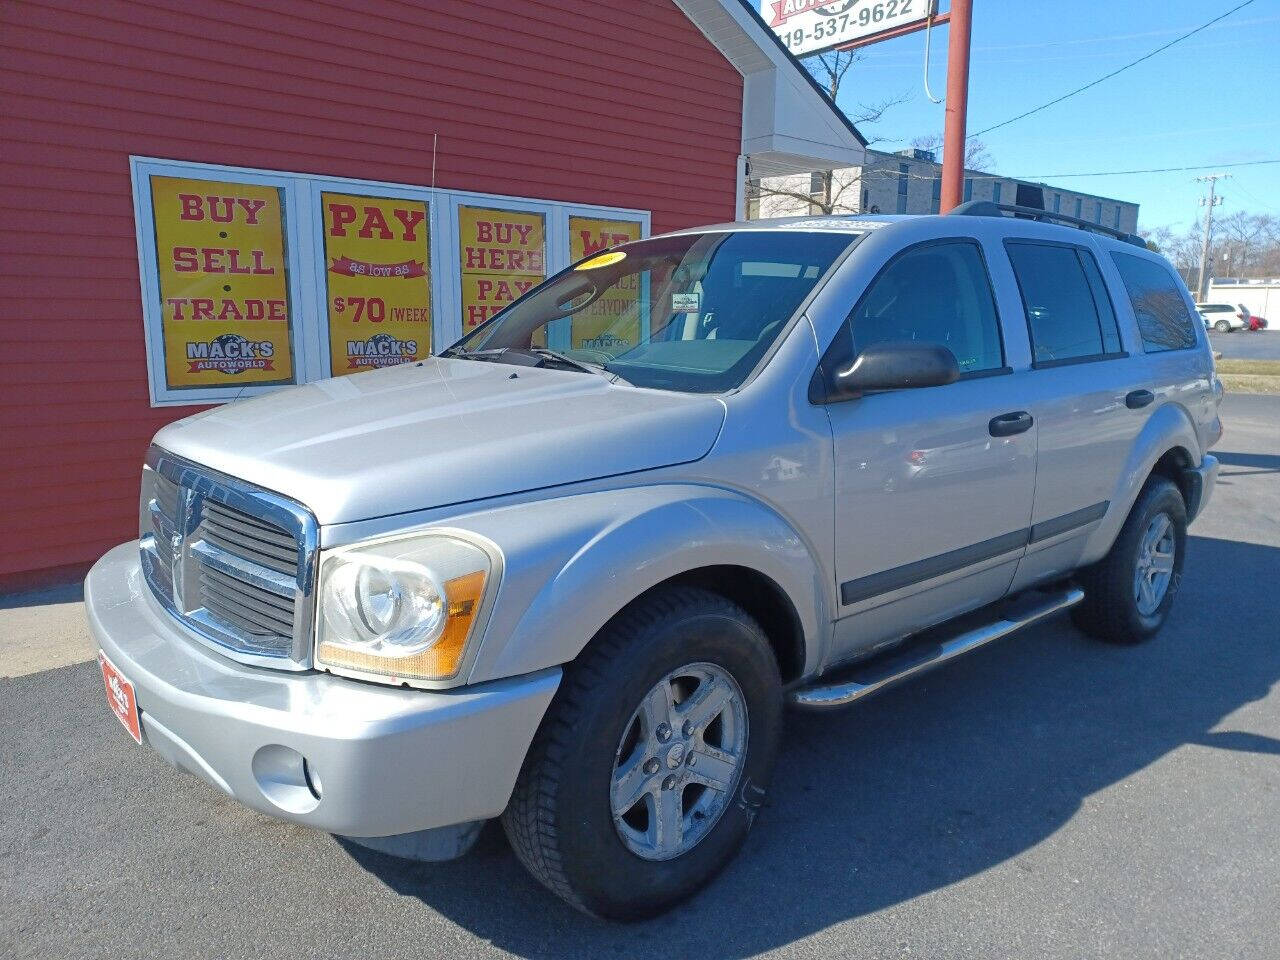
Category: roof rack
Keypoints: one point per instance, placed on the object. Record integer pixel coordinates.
(985, 208)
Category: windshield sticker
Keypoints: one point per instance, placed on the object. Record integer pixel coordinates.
(604, 260)
(686, 302)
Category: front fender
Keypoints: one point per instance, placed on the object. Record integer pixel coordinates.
(1168, 427)
(571, 563)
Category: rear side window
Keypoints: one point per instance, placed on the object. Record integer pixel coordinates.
(1069, 314)
(935, 293)
(1161, 308)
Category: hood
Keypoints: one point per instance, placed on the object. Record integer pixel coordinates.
(444, 431)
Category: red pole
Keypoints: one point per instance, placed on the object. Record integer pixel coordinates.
(953, 133)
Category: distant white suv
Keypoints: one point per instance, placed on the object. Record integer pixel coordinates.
(1224, 317)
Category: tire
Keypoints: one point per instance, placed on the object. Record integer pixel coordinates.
(1222, 326)
(1114, 609)
(560, 820)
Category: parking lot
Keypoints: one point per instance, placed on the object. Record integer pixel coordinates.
(1047, 797)
(1241, 345)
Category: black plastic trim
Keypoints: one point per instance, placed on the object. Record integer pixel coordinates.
(983, 374)
(895, 578)
(1068, 521)
(1072, 361)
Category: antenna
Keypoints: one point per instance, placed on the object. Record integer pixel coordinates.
(435, 140)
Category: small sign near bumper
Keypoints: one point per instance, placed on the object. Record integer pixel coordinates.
(120, 697)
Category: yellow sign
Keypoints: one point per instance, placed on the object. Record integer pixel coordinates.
(612, 323)
(379, 276)
(224, 291)
(503, 255)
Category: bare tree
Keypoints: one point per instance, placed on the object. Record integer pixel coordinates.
(1241, 238)
(828, 189)
(1243, 245)
(976, 154)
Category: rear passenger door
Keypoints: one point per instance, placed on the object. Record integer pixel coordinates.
(1176, 367)
(1088, 399)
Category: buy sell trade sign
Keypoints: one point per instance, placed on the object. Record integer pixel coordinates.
(223, 285)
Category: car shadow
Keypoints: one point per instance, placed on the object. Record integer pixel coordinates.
(1259, 462)
(62, 593)
(932, 782)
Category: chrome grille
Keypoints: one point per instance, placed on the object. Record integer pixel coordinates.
(233, 562)
(239, 533)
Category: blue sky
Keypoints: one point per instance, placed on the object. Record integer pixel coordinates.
(1211, 99)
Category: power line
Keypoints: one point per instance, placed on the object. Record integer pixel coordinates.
(1122, 173)
(1094, 83)
(886, 173)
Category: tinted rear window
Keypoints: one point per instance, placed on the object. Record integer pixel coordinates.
(1069, 317)
(1159, 303)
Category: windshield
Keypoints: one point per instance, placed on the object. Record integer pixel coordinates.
(693, 312)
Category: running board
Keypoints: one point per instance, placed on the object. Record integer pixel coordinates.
(876, 675)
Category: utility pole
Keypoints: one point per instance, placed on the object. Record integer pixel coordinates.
(953, 132)
(1208, 203)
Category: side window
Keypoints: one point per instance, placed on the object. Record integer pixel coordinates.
(1069, 315)
(1163, 317)
(935, 293)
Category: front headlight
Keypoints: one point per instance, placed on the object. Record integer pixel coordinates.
(402, 608)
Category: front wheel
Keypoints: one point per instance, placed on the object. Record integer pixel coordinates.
(1129, 592)
(1222, 326)
(653, 759)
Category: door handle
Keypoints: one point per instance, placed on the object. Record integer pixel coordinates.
(1007, 424)
(1137, 399)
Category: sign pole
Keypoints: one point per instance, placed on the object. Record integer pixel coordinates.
(953, 134)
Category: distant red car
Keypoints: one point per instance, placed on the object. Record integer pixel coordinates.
(1257, 323)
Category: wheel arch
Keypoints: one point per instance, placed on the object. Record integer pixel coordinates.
(761, 597)
(572, 565)
(1166, 446)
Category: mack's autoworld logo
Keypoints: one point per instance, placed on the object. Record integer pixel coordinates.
(784, 10)
(606, 341)
(230, 353)
(380, 350)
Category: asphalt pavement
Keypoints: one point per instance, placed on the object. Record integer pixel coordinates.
(1046, 797)
(1246, 345)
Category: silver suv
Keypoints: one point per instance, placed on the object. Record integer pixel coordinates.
(569, 571)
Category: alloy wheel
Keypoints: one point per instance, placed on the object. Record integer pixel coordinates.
(1154, 569)
(679, 761)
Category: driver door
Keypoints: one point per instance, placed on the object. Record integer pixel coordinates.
(933, 485)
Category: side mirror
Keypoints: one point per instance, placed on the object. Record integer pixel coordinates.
(896, 366)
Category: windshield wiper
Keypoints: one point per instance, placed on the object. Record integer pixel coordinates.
(597, 368)
(465, 354)
(533, 355)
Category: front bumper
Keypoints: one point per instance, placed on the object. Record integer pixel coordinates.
(379, 760)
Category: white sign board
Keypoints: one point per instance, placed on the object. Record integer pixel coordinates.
(812, 26)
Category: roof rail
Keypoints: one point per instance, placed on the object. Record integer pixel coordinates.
(985, 208)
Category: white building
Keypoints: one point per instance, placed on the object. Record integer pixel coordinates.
(1260, 297)
(910, 181)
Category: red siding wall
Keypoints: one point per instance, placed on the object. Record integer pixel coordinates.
(618, 102)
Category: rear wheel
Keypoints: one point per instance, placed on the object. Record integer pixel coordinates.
(1129, 592)
(1222, 326)
(653, 759)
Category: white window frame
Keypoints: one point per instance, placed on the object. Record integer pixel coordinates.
(306, 265)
